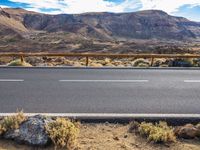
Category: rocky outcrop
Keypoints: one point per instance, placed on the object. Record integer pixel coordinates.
(31, 132)
(188, 131)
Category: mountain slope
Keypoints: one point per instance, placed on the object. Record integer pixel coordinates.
(144, 25)
(138, 25)
(93, 30)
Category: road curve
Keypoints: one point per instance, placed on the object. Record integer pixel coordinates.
(69, 90)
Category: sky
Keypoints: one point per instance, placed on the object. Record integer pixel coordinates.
(185, 8)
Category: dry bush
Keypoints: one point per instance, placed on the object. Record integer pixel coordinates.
(141, 63)
(11, 122)
(161, 62)
(196, 62)
(18, 62)
(63, 133)
(157, 133)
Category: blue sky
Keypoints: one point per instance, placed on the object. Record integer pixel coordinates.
(186, 8)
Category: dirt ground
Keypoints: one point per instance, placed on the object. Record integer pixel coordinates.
(111, 137)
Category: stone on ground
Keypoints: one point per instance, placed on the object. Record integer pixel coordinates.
(31, 132)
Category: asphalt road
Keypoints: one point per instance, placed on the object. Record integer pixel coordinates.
(65, 90)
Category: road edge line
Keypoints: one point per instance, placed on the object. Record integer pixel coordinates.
(108, 115)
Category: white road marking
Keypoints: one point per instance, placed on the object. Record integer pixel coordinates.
(109, 115)
(192, 81)
(113, 81)
(11, 80)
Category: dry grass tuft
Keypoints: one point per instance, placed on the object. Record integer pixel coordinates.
(157, 133)
(12, 122)
(63, 133)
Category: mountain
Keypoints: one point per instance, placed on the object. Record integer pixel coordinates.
(21, 29)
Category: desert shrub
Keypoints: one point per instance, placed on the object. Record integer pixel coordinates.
(190, 61)
(187, 62)
(141, 63)
(63, 133)
(196, 62)
(18, 62)
(11, 122)
(159, 62)
(157, 133)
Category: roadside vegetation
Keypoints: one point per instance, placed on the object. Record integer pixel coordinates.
(19, 62)
(11, 122)
(141, 63)
(102, 62)
(157, 133)
(64, 133)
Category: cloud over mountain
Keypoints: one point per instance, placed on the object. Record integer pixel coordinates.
(82, 6)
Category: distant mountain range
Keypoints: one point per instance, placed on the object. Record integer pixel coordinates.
(25, 30)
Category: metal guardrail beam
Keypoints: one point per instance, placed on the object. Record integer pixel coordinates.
(94, 55)
(98, 55)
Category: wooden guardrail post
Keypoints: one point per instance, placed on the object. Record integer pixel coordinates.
(22, 59)
(87, 61)
(152, 61)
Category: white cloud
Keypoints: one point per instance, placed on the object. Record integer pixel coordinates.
(3, 6)
(37, 4)
(169, 6)
(81, 6)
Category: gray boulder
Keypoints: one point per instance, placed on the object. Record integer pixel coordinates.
(31, 132)
(188, 131)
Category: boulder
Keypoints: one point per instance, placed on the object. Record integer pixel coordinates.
(31, 132)
(188, 131)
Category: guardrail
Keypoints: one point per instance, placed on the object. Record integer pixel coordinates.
(95, 55)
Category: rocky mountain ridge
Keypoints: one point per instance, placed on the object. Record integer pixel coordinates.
(83, 31)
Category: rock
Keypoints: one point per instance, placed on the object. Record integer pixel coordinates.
(31, 132)
(116, 138)
(34, 60)
(180, 63)
(188, 131)
(198, 130)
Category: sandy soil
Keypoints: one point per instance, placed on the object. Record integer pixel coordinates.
(111, 137)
